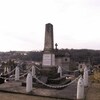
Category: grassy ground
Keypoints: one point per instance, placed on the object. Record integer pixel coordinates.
(10, 96)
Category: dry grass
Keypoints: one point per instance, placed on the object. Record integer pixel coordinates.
(94, 92)
(96, 76)
(94, 89)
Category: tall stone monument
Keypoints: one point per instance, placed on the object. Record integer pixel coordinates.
(48, 61)
(48, 43)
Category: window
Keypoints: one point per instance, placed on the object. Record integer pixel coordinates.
(65, 59)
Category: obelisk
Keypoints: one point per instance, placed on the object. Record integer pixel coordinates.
(48, 53)
(48, 46)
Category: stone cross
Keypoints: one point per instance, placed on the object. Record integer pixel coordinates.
(56, 45)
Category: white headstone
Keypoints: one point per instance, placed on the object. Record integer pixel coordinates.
(29, 83)
(33, 71)
(17, 73)
(60, 71)
(85, 76)
(80, 89)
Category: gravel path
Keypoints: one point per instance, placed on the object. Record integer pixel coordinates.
(10, 96)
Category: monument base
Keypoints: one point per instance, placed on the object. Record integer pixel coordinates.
(48, 71)
(48, 59)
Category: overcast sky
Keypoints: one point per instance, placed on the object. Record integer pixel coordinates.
(76, 24)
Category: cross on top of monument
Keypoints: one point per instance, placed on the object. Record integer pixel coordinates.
(56, 45)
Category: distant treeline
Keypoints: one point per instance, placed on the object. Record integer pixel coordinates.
(76, 55)
(85, 55)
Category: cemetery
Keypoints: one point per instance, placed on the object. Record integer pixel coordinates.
(50, 79)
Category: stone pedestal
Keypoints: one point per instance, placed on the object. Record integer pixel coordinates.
(48, 60)
(48, 71)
